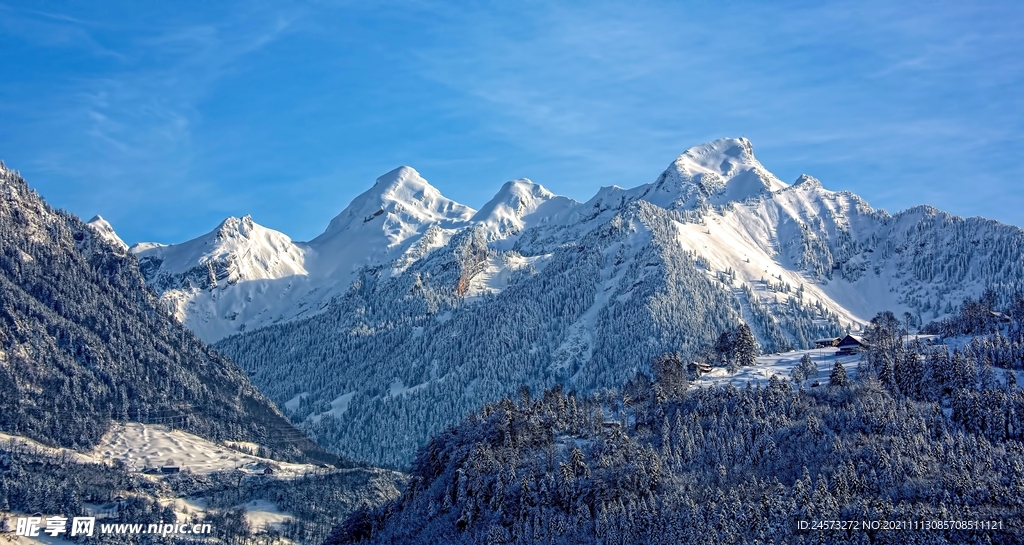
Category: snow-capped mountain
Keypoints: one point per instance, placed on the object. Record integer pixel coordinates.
(210, 282)
(412, 310)
(518, 205)
(717, 173)
(242, 275)
(85, 343)
(382, 223)
(106, 232)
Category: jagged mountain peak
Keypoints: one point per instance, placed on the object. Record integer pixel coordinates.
(402, 184)
(103, 228)
(404, 194)
(721, 171)
(516, 198)
(710, 155)
(236, 227)
(238, 253)
(807, 181)
(509, 210)
(401, 176)
(525, 186)
(271, 251)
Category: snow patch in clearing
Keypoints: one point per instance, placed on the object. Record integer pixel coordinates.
(141, 445)
(498, 271)
(398, 388)
(293, 403)
(780, 365)
(262, 514)
(338, 407)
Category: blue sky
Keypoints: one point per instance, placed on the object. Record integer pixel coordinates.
(168, 118)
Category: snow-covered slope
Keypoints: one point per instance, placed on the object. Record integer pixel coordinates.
(412, 310)
(242, 275)
(379, 225)
(228, 279)
(141, 446)
(518, 205)
(106, 232)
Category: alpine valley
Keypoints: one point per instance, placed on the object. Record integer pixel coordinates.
(412, 311)
(109, 408)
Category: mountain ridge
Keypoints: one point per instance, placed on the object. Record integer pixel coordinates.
(84, 343)
(399, 345)
(392, 218)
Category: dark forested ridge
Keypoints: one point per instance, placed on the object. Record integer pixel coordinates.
(923, 434)
(84, 342)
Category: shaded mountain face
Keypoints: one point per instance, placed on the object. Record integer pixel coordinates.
(84, 342)
(422, 310)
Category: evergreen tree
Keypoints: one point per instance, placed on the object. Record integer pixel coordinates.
(798, 374)
(670, 375)
(725, 348)
(838, 376)
(809, 366)
(885, 342)
(746, 346)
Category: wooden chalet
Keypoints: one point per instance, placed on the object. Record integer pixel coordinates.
(999, 317)
(851, 345)
(698, 368)
(827, 343)
(170, 467)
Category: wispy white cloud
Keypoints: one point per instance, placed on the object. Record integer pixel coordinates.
(54, 30)
(614, 88)
(130, 122)
(577, 95)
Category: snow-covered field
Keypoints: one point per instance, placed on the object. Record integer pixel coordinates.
(259, 514)
(262, 514)
(142, 446)
(782, 364)
(779, 365)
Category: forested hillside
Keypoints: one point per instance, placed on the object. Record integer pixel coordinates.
(921, 434)
(83, 342)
